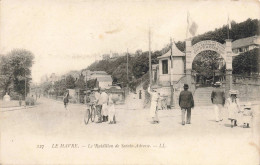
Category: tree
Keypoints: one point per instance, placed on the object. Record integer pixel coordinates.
(70, 82)
(206, 63)
(59, 87)
(247, 63)
(45, 87)
(80, 83)
(15, 67)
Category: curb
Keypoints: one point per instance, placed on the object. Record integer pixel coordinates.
(15, 108)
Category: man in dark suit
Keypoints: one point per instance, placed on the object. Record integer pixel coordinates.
(186, 102)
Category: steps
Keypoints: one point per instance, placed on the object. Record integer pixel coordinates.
(202, 96)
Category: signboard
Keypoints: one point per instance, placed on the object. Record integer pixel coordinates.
(208, 45)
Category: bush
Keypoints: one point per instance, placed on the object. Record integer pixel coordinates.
(29, 101)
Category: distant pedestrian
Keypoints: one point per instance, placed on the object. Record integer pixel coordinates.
(233, 107)
(66, 99)
(104, 101)
(154, 105)
(186, 102)
(20, 100)
(218, 99)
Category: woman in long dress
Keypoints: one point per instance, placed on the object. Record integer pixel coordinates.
(153, 108)
(111, 109)
(233, 107)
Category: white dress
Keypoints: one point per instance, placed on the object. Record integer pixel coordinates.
(233, 109)
(111, 109)
(154, 101)
(103, 101)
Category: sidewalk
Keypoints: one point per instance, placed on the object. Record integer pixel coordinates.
(12, 105)
(15, 108)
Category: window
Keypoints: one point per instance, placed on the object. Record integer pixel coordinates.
(165, 66)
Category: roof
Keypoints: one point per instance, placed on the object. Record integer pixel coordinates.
(105, 78)
(175, 52)
(254, 40)
(99, 72)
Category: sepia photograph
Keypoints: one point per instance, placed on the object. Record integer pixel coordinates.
(130, 82)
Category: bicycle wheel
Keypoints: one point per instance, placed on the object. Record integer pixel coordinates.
(87, 116)
(93, 113)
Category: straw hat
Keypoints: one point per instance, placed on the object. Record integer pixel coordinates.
(217, 83)
(233, 92)
(247, 105)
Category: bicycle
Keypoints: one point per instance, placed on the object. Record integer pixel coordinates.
(90, 113)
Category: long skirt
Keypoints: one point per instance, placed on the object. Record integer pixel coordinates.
(111, 112)
(154, 111)
(104, 110)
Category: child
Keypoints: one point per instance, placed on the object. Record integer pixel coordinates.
(111, 109)
(247, 115)
(233, 107)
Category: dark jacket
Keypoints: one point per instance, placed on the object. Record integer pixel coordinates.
(66, 98)
(218, 96)
(186, 99)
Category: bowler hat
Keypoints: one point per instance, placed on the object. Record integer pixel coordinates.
(186, 86)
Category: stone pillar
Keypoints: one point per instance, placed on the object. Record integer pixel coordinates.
(188, 77)
(228, 80)
(188, 54)
(188, 60)
(228, 54)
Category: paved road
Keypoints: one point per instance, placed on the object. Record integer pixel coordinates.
(49, 124)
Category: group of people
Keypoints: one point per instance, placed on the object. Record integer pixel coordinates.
(106, 112)
(186, 102)
(232, 105)
(103, 102)
(105, 105)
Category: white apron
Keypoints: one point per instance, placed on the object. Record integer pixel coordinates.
(111, 112)
(104, 109)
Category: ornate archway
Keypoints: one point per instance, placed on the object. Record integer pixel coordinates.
(225, 50)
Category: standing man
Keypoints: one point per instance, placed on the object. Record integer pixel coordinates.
(66, 99)
(186, 102)
(218, 99)
(103, 101)
(98, 104)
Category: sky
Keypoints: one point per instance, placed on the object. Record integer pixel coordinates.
(69, 35)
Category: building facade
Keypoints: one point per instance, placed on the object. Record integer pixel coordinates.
(245, 44)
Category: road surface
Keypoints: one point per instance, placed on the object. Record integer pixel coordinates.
(50, 134)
